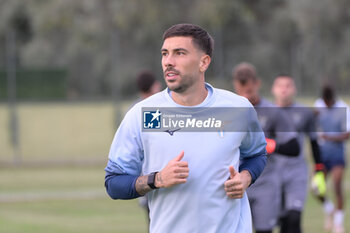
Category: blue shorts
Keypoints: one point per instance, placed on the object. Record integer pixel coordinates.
(330, 164)
(333, 154)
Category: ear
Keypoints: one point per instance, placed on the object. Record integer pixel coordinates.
(204, 63)
(235, 84)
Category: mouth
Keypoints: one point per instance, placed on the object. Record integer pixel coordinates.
(171, 76)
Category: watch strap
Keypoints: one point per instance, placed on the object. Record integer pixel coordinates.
(151, 180)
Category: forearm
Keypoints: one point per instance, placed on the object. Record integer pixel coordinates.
(246, 178)
(316, 151)
(290, 148)
(124, 186)
(141, 185)
(337, 138)
(254, 165)
(121, 186)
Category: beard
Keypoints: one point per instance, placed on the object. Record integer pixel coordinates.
(181, 85)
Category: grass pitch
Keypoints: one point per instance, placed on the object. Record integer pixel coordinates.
(73, 200)
(70, 200)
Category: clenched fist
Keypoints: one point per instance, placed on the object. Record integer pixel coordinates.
(175, 172)
(236, 185)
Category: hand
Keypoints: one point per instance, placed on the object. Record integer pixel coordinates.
(175, 172)
(270, 145)
(318, 184)
(236, 185)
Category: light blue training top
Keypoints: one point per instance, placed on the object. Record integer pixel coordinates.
(200, 204)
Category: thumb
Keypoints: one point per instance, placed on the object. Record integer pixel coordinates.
(233, 172)
(180, 156)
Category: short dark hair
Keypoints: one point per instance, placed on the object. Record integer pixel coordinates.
(145, 80)
(200, 37)
(284, 75)
(243, 72)
(328, 94)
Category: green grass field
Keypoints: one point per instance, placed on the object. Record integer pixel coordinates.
(73, 200)
(66, 199)
(58, 132)
(41, 197)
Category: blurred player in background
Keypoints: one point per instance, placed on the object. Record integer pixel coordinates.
(195, 181)
(265, 194)
(335, 127)
(147, 85)
(294, 172)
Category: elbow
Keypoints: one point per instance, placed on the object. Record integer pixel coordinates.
(111, 194)
(121, 187)
(112, 197)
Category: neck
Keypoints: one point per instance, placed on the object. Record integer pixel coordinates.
(255, 101)
(284, 103)
(192, 96)
(145, 95)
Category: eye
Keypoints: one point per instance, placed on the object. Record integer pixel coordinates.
(164, 54)
(180, 53)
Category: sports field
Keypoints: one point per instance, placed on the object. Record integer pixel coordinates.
(73, 200)
(66, 199)
(56, 191)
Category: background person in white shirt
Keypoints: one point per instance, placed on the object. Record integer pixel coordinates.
(333, 120)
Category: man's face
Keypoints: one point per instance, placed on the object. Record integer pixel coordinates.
(283, 89)
(249, 90)
(181, 61)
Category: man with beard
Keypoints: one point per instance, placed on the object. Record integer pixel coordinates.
(196, 180)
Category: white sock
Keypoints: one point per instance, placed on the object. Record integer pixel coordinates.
(328, 207)
(338, 217)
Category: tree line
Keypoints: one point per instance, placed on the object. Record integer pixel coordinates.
(104, 44)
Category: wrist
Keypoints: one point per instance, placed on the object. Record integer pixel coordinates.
(270, 145)
(319, 167)
(246, 178)
(151, 180)
(157, 181)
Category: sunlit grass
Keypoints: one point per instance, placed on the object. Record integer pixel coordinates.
(42, 198)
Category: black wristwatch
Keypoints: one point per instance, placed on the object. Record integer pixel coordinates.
(151, 179)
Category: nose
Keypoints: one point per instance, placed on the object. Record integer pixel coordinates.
(168, 61)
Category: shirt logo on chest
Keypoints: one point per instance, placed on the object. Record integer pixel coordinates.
(152, 119)
(171, 132)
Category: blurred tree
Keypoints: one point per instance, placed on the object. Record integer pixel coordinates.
(105, 43)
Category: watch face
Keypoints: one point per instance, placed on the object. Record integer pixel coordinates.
(150, 180)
